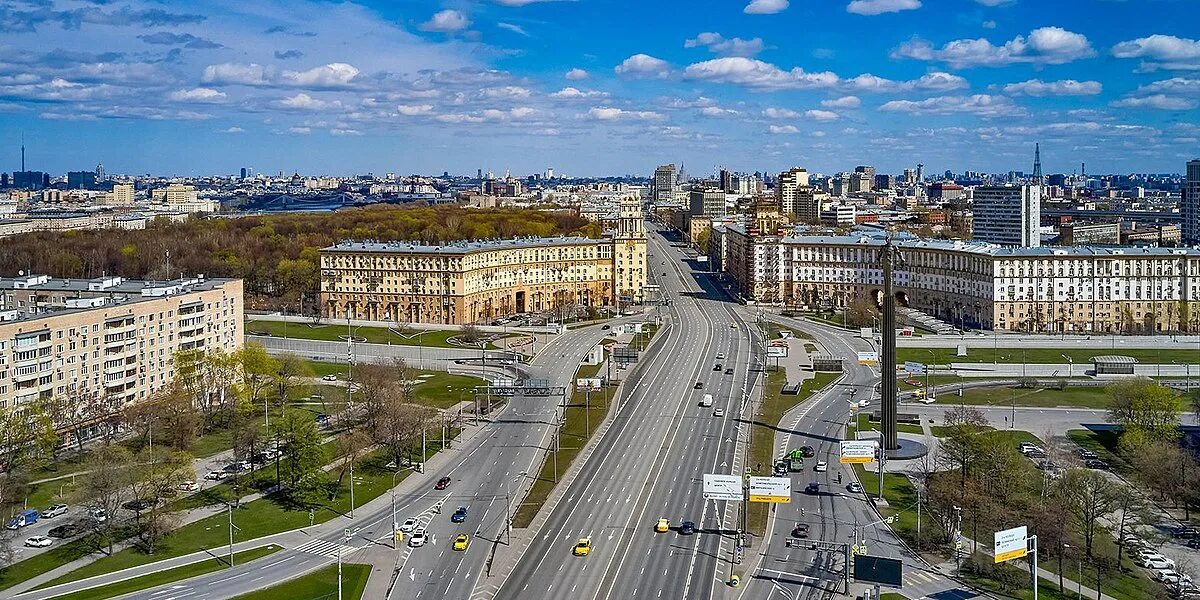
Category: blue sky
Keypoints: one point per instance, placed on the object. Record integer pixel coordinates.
(598, 87)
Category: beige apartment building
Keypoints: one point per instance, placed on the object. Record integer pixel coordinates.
(473, 282)
(976, 285)
(109, 339)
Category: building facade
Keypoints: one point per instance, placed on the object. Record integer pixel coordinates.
(707, 202)
(664, 183)
(1190, 203)
(108, 338)
(1007, 215)
(474, 282)
(975, 285)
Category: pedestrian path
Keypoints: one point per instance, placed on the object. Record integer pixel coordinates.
(325, 548)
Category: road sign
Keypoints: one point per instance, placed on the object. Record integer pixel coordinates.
(588, 383)
(1011, 543)
(771, 489)
(914, 368)
(858, 451)
(774, 351)
(722, 487)
(876, 569)
(868, 358)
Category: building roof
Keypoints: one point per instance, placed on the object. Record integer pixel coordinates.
(459, 247)
(1112, 359)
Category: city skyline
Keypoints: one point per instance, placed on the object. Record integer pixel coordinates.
(421, 87)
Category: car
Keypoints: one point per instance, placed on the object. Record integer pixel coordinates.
(604, 328)
(699, 385)
(662, 526)
(98, 514)
(583, 547)
(138, 504)
(1185, 532)
(687, 528)
(718, 412)
(38, 541)
(69, 530)
(717, 367)
(418, 538)
(865, 402)
(733, 325)
(821, 466)
(461, 542)
(800, 530)
(54, 511)
(808, 451)
(188, 486)
(1194, 543)
(321, 418)
(812, 488)
(408, 525)
(442, 483)
(1158, 562)
(1097, 464)
(237, 466)
(329, 377)
(216, 475)
(1035, 452)
(729, 370)
(459, 515)
(1167, 575)
(1147, 553)
(854, 487)
(720, 356)
(1086, 454)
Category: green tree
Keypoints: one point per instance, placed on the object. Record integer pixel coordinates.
(257, 370)
(301, 452)
(1144, 407)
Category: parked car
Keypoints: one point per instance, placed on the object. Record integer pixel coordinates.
(138, 504)
(329, 377)
(459, 515)
(39, 541)
(1036, 453)
(216, 475)
(1158, 562)
(24, 519)
(800, 530)
(98, 514)
(1167, 575)
(442, 483)
(1096, 463)
(54, 511)
(1194, 543)
(69, 529)
(188, 486)
(1086, 454)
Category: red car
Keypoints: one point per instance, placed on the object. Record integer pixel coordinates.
(442, 483)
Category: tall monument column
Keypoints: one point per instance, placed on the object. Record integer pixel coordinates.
(888, 360)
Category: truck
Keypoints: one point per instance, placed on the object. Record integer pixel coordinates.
(707, 400)
(24, 519)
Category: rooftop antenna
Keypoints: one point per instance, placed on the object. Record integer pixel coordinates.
(22, 151)
(1037, 164)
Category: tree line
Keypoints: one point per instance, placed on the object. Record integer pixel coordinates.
(277, 255)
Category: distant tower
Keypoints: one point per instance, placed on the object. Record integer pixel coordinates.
(1037, 164)
(99, 172)
(1083, 171)
(920, 173)
(22, 153)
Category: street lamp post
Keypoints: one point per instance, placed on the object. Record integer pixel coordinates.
(508, 507)
(395, 526)
(1070, 366)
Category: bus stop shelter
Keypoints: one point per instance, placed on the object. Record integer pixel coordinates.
(1113, 365)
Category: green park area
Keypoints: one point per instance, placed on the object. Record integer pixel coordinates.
(1096, 397)
(335, 332)
(321, 584)
(164, 577)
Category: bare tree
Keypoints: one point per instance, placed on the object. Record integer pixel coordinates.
(104, 486)
(291, 375)
(470, 334)
(1090, 498)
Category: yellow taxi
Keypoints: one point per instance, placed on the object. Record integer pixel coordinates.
(583, 547)
(461, 542)
(663, 526)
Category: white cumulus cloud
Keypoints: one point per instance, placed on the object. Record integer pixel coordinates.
(1045, 45)
(1156, 101)
(571, 93)
(718, 44)
(757, 74)
(878, 7)
(608, 113)
(843, 102)
(412, 110)
(780, 113)
(576, 74)
(1065, 87)
(821, 115)
(782, 129)
(765, 7)
(982, 105)
(1162, 51)
(447, 21)
(197, 95)
(643, 66)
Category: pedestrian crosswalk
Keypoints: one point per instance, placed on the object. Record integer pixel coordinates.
(325, 548)
(920, 577)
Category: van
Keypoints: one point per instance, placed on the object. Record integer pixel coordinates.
(24, 518)
(707, 400)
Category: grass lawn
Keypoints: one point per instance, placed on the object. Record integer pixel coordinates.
(45, 562)
(443, 390)
(774, 330)
(943, 431)
(934, 380)
(256, 519)
(1104, 444)
(762, 435)
(170, 575)
(320, 584)
(1080, 397)
(892, 596)
(574, 436)
(1081, 356)
(865, 424)
(334, 332)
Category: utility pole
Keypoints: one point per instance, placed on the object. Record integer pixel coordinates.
(888, 431)
(351, 487)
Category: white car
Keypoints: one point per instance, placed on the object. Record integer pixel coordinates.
(720, 356)
(1158, 562)
(216, 475)
(188, 486)
(718, 412)
(54, 511)
(821, 466)
(1167, 575)
(329, 377)
(864, 403)
(408, 525)
(417, 539)
(39, 541)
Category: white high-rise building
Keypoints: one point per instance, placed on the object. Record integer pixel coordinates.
(1008, 215)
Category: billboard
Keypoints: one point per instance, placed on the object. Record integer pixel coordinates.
(866, 333)
(914, 368)
(777, 351)
(722, 487)
(877, 569)
(771, 489)
(857, 451)
(589, 383)
(868, 358)
(1011, 543)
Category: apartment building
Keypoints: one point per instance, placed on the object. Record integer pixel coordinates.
(977, 285)
(473, 282)
(108, 338)
(1007, 215)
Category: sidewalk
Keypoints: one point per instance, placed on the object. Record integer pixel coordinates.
(1046, 577)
